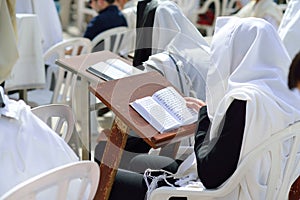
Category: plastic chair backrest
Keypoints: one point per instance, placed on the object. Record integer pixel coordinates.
(273, 147)
(111, 39)
(57, 116)
(65, 80)
(203, 9)
(229, 7)
(78, 180)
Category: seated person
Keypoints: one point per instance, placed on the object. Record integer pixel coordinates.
(28, 146)
(109, 17)
(266, 9)
(246, 89)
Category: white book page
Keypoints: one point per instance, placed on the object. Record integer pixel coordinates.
(109, 70)
(122, 66)
(155, 114)
(175, 104)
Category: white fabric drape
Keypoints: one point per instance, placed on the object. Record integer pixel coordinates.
(174, 33)
(28, 146)
(250, 63)
(289, 29)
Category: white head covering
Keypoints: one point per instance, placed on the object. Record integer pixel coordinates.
(174, 32)
(250, 63)
(289, 29)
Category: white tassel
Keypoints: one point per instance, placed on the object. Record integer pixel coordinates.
(153, 185)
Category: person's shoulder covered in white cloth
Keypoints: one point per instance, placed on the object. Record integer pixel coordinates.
(289, 29)
(174, 33)
(27, 145)
(253, 70)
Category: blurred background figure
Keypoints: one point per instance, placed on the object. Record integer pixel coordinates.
(109, 16)
(266, 9)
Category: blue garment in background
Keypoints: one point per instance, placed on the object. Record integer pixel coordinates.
(108, 18)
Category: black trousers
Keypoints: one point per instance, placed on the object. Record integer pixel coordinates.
(132, 184)
(134, 146)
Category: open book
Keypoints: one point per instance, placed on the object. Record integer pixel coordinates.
(165, 110)
(111, 69)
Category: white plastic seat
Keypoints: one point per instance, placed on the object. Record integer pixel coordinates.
(64, 80)
(78, 180)
(209, 29)
(57, 116)
(82, 12)
(277, 187)
(229, 7)
(112, 39)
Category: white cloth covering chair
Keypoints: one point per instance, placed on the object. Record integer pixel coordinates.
(48, 20)
(58, 116)
(28, 72)
(113, 40)
(77, 180)
(281, 146)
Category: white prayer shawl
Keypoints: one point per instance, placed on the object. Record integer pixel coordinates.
(174, 33)
(189, 8)
(250, 63)
(266, 9)
(289, 29)
(28, 146)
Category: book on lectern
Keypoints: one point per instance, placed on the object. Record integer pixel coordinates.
(165, 110)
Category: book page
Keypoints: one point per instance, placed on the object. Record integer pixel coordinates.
(120, 65)
(155, 114)
(106, 71)
(175, 104)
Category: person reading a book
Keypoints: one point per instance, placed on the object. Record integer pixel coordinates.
(247, 101)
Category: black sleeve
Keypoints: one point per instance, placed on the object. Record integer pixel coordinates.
(217, 159)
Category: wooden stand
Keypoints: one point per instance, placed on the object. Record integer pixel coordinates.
(117, 95)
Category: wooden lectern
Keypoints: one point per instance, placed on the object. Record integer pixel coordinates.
(117, 95)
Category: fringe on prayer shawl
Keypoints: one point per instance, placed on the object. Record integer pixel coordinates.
(186, 174)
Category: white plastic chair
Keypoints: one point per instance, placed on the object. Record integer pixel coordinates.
(112, 39)
(209, 29)
(59, 117)
(64, 80)
(229, 7)
(272, 146)
(78, 180)
(82, 12)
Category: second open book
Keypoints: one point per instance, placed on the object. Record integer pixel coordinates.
(165, 110)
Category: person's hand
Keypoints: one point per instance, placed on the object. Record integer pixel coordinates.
(194, 103)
